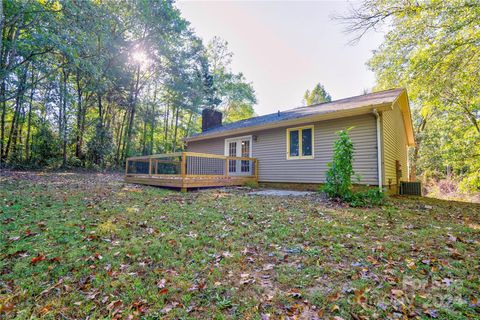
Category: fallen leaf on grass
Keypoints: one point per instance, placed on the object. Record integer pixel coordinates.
(447, 281)
(161, 283)
(246, 278)
(397, 292)
(372, 260)
(170, 306)
(333, 297)
(359, 296)
(454, 253)
(431, 312)
(196, 287)
(6, 307)
(54, 259)
(163, 291)
(227, 254)
(268, 267)
(335, 308)
(140, 307)
(295, 293)
(37, 259)
(114, 305)
(411, 264)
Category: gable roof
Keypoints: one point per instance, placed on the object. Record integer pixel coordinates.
(382, 100)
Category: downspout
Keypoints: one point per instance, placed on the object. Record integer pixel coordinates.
(379, 149)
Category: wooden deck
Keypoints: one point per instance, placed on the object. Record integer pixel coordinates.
(191, 170)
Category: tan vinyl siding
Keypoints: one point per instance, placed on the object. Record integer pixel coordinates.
(394, 144)
(270, 150)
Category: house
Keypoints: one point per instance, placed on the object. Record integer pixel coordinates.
(294, 146)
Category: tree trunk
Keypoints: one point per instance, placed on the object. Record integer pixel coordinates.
(100, 109)
(176, 130)
(133, 103)
(413, 166)
(2, 86)
(120, 138)
(144, 138)
(29, 120)
(19, 133)
(152, 127)
(18, 104)
(60, 109)
(189, 124)
(4, 111)
(64, 107)
(78, 139)
(165, 119)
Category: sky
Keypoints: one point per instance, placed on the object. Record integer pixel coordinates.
(284, 48)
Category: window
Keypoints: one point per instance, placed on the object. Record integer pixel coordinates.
(300, 143)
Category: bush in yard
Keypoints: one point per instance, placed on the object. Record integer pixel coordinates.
(339, 175)
(369, 198)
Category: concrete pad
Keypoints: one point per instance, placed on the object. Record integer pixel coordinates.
(281, 193)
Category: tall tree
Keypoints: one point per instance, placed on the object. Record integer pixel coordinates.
(92, 82)
(232, 94)
(432, 49)
(316, 96)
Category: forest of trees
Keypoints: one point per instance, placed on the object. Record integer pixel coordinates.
(88, 83)
(432, 48)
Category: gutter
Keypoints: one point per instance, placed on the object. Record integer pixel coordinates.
(379, 149)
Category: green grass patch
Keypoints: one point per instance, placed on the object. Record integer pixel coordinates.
(78, 245)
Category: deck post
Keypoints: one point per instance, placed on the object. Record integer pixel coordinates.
(183, 164)
(183, 171)
(150, 167)
(226, 167)
(256, 169)
(126, 166)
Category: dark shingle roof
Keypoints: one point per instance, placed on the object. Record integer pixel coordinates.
(370, 99)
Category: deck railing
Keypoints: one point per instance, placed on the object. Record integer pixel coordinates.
(192, 164)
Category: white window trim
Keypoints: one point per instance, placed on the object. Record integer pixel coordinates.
(300, 157)
(227, 141)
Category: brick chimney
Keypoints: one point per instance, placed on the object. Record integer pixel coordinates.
(211, 119)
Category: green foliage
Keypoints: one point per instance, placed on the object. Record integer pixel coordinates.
(338, 182)
(431, 49)
(101, 147)
(316, 96)
(233, 95)
(45, 147)
(371, 197)
(136, 67)
(470, 183)
(251, 184)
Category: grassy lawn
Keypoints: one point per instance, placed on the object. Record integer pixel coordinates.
(78, 245)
